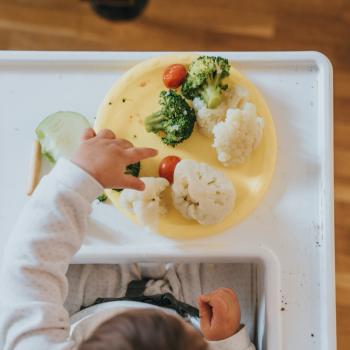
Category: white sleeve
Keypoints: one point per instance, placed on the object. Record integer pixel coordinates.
(239, 341)
(48, 233)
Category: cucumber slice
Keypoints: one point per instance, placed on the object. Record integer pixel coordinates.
(60, 134)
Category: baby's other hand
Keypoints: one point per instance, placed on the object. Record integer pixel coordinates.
(105, 157)
(220, 314)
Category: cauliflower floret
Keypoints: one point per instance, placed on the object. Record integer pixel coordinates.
(237, 136)
(238, 97)
(146, 204)
(201, 192)
(207, 118)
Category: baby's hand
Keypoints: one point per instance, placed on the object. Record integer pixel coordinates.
(220, 314)
(105, 157)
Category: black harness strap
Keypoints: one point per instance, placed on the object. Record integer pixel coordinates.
(135, 292)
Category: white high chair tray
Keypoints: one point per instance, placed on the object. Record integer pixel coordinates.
(290, 235)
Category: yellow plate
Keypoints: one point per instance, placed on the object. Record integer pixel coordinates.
(135, 95)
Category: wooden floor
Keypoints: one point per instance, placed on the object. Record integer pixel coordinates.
(322, 25)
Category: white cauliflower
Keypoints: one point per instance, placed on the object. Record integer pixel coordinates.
(237, 136)
(207, 118)
(201, 192)
(146, 204)
(238, 97)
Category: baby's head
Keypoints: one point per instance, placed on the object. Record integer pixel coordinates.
(145, 329)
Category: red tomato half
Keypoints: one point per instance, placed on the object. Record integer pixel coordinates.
(174, 76)
(167, 167)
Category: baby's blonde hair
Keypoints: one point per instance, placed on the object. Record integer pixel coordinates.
(144, 329)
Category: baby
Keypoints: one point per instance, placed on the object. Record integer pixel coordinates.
(50, 230)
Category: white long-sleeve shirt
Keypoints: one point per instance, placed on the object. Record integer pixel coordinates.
(50, 230)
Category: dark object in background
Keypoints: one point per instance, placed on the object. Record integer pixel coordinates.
(118, 9)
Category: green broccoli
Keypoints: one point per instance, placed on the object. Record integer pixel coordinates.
(102, 197)
(204, 79)
(174, 121)
(131, 169)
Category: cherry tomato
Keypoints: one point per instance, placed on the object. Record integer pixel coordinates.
(174, 76)
(167, 167)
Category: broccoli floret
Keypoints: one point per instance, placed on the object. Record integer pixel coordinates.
(102, 197)
(131, 169)
(174, 121)
(204, 79)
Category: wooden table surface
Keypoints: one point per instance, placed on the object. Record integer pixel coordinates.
(321, 25)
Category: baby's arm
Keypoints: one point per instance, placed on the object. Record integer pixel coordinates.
(48, 233)
(220, 321)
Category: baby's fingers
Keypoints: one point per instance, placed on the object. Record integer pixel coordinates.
(134, 155)
(88, 134)
(129, 181)
(205, 314)
(123, 143)
(106, 134)
(219, 309)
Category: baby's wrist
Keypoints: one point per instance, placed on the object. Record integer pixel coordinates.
(77, 179)
(87, 169)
